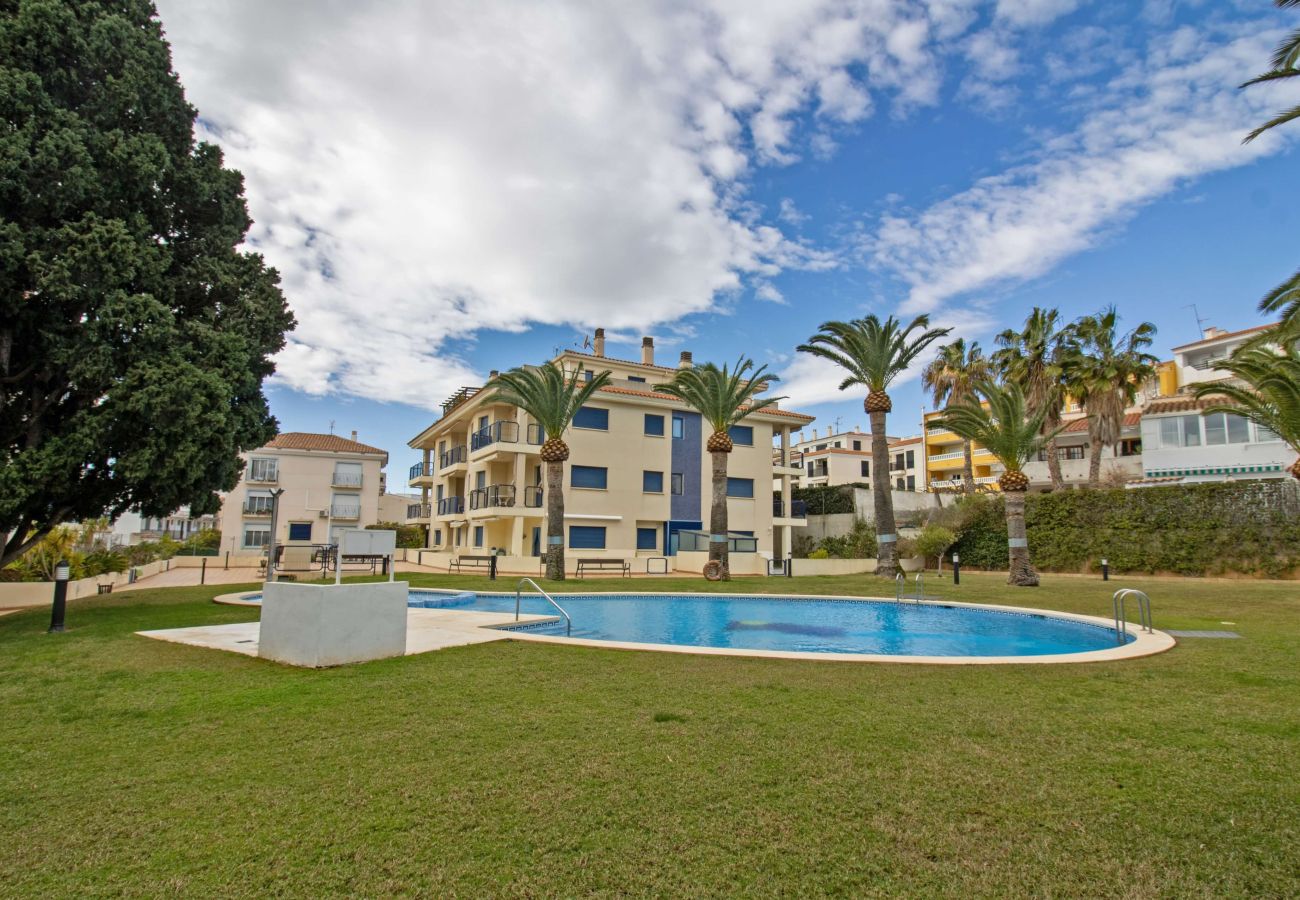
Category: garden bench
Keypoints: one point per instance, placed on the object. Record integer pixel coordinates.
(603, 565)
(473, 562)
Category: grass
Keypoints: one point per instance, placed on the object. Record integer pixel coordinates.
(136, 767)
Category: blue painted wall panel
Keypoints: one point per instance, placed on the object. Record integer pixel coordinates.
(686, 458)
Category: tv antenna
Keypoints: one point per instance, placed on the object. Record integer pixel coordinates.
(1200, 323)
(331, 426)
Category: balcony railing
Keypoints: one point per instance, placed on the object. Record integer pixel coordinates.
(418, 510)
(536, 436)
(347, 479)
(263, 476)
(448, 506)
(418, 471)
(798, 509)
(533, 496)
(793, 459)
(492, 496)
(452, 457)
(257, 508)
(503, 432)
(345, 510)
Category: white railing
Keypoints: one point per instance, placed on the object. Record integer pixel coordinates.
(958, 454)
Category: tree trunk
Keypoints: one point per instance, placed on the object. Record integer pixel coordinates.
(886, 533)
(719, 550)
(1094, 461)
(1022, 574)
(1054, 466)
(967, 468)
(555, 521)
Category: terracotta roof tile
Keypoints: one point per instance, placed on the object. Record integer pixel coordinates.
(658, 396)
(1181, 404)
(327, 443)
(1131, 420)
(1230, 334)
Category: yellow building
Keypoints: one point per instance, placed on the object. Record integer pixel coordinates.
(636, 483)
(944, 460)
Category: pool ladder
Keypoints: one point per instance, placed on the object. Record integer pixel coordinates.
(1121, 621)
(900, 585)
(519, 587)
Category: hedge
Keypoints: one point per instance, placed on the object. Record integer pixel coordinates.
(825, 499)
(1248, 528)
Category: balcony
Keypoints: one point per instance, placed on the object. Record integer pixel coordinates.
(419, 470)
(257, 508)
(494, 496)
(263, 477)
(345, 511)
(450, 506)
(453, 457)
(347, 479)
(798, 509)
(416, 511)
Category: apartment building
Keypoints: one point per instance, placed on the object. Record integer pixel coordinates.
(1182, 442)
(833, 458)
(636, 482)
(944, 459)
(906, 463)
(328, 484)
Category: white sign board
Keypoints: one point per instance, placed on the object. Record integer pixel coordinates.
(367, 542)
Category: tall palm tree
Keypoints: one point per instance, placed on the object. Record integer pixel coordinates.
(874, 353)
(951, 378)
(1104, 371)
(1014, 434)
(1033, 359)
(1269, 395)
(1285, 64)
(552, 399)
(723, 397)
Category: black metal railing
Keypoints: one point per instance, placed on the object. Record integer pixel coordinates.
(492, 496)
(536, 435)
(452, 457)
(798, 509)
(451, 505)
(345, 510)
(418, 471)
(503, 432)
(533, 497)
(347, 479)
(258, 507)
(417, 510)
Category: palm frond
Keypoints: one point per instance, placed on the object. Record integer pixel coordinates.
(1281, 118)
(1002, 424)
(723, 396)
(546, 394)
(872, 352)
(1269, 390)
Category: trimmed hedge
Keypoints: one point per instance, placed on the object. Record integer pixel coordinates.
(1250, 528)
(824, 499)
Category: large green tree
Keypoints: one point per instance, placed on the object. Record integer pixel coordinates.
(872, 354)
(723, 397)
(134, 332)
(951, 378)
(1034, 358)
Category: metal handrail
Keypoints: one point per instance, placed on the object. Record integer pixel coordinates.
(920, 586)
(1121, 620)
(900, 585)
(568, 621)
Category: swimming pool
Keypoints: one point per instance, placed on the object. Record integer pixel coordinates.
(803, 625)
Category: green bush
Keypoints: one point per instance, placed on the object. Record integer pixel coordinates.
(411, 537)
(934, 540)
(1250, 528)
(101, 561)
(826, 499)
(819, 553)
(859, 543)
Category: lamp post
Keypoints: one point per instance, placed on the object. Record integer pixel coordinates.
(956, 569)
(1105, 569)
(61, 572)
(270, 543)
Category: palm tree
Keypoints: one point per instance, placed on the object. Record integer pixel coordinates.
(1104, 371)
(723, 397)
(951, 378)
(874, 353)
(1285, 64)
(1032, 358)
(1270, 396)
(552, 399)
(1014, 434)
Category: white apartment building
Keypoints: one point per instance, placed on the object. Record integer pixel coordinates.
(328, 484)
(636, 482)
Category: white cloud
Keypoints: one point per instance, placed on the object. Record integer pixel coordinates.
(1176, 117)
(1034, 12)
(423, 172)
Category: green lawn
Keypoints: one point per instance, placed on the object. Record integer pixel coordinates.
(136, 767)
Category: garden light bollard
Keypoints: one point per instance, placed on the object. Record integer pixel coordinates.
(61, 572)
(956, 569)
(203, 571)
(1105, 569)
(789, 565)
(492, 567)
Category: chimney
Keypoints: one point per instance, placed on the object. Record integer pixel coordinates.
(598, 342)
(685, 362)
(647, 351)
(354, 434)
(1213, 332)
(493, 374)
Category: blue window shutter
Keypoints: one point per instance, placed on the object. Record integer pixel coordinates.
(652, 482)
(589, 477)
(654, 425)
(740, 487)
(587, 537)
(478, 535)
(742, 434)
(592, 417)
(647, 538)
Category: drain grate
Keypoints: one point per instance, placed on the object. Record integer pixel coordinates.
(1204, 634)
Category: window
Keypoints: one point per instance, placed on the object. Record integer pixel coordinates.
(437, 537)
(256, 536)
(594, 477)
(652, 482)
(347, 474)
(1076, 452)
(820, 447)
(647, 538)
(866, 468)
(1130, 447)
(1191, 431)
(654, 425)
(679, 427)
(911, 482)
(259, 503)
(636, 378)
(1169, 433)
(1264, 435)
(742, 434)
(1226, 428)
(262, 469)
(857, 445)
(586, 374)
(911, 459)
(677, 483)
(740, 487)
(836, 444)
(587, 537)
(592, 417)
(458, 537)
(899, 484)
(478, 535)
(300, 531)
(1180, 431)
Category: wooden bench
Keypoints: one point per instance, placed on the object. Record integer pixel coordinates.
(473, 562)
(605, 565)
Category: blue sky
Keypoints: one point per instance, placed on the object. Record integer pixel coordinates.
(451, 188)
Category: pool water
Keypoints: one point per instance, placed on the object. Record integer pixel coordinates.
(810, 626)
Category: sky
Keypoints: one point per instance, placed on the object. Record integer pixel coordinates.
(448, 188)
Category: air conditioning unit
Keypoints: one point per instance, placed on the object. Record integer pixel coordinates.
(324, 514)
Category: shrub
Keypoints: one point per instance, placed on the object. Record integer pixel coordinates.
(826, 499)
(934, 540)
(411, 537)
(819, 553)
(859, 543)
